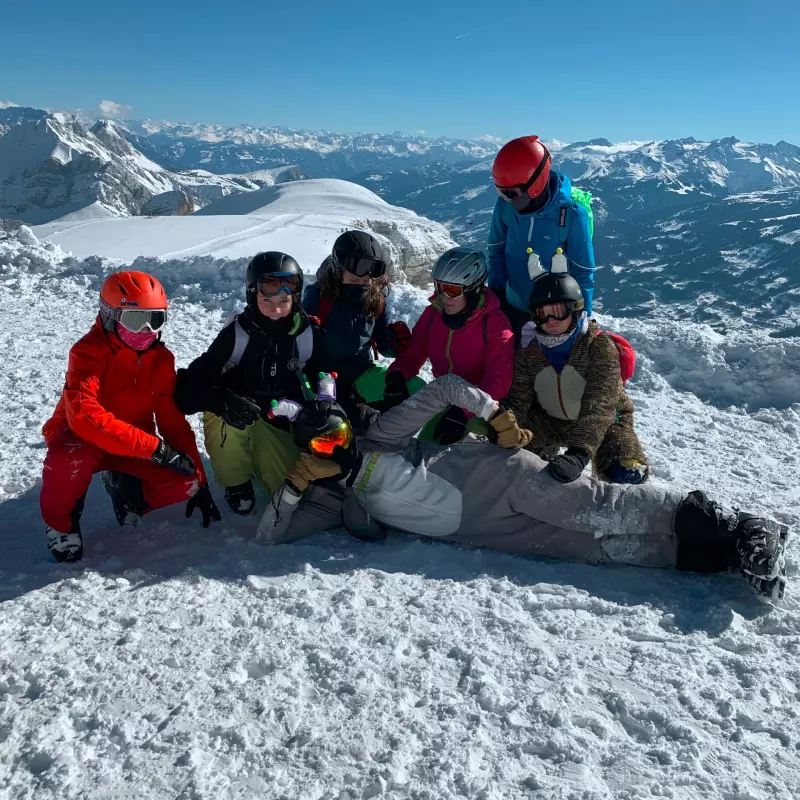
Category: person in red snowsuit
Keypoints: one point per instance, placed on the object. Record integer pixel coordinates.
(117, 394)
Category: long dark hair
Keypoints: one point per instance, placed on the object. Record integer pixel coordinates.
(329, 284)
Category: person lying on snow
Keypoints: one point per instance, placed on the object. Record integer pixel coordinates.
(568, 389)
(500, 495)
(260, 355)
(118, 390)
(349, 299)
(463, 332)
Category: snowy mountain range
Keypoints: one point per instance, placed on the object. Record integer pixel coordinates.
(628, 181)
(52, 166)
(319, 154)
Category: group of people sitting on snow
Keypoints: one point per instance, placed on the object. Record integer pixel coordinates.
(528, 391)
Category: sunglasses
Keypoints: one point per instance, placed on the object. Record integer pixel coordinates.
(558, 312)
(277, 283)
(323, 445)
(137, 319)
(451, 290)
(517, 194)
(362, 266)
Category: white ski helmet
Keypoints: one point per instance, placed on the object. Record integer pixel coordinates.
(461, 266)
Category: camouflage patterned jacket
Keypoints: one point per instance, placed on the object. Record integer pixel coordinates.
(576, 407)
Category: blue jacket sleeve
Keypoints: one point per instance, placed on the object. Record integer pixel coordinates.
(580, 253)
(311, 299)
(498, 274)
(382, 336)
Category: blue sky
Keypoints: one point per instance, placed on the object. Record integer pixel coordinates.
(570, 70)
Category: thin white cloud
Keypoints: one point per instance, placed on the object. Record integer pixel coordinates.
(8, 104)
(111, 110)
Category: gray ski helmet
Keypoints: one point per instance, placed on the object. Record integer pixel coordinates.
(461, 266)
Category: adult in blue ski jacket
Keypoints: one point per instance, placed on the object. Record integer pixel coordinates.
(535, 210)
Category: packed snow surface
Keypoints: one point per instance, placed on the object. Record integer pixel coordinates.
(177, 662)
(302, 218)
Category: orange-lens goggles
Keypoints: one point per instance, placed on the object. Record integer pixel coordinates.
(341, 436)
(449, 289)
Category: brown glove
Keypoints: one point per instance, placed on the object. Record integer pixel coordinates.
(509, 433)
(309, 469)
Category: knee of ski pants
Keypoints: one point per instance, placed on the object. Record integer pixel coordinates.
(68, 468)
(229, 450)
(260, 451)
(161, 486)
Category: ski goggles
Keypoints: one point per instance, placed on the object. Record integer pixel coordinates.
(137, 319)
(363, 266)
(517, 194)
(451, 290)
(277, 283)
(323, 445)
(555, 311)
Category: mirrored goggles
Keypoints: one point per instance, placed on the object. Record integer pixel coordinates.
(277, 283)
(137, 319)
(452, 290)
(363, 266)
(341, 436)
(555, 311)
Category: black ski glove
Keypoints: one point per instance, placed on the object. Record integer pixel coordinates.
(395, 392)
(568, 467)
(165, 456)
(239, 412)
(203, 500)
(451, 427)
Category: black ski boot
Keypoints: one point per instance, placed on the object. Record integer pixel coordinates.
(760, 544)
(712, 539)
(126, 495)
(68, 547)
(241, 499)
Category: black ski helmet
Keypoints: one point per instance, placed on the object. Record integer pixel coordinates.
(270, 263)
(354, 245)
(318, 418)
(557, 287)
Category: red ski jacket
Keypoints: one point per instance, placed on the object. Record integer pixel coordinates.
(115, 397)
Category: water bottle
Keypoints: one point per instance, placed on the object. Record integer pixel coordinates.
(326, 387)
(558, 263)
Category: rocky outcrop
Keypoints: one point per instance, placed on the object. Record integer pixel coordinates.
(169, 204)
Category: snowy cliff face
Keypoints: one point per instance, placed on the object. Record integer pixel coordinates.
(51, 167)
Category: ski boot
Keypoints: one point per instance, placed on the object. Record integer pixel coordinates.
(126, 495)
(68, 547)
(241, 499)
(760, 544)
(712, 539)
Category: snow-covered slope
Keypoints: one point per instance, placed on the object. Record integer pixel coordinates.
(51, 167)
(730, 262)
(302, 218)
(176, 662)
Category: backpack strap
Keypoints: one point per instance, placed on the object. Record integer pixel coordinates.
(304, 342)
(563, 227)
(242, 338)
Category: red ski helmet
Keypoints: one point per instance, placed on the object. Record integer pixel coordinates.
(521, 167)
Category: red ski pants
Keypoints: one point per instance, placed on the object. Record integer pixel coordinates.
(70, 464)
